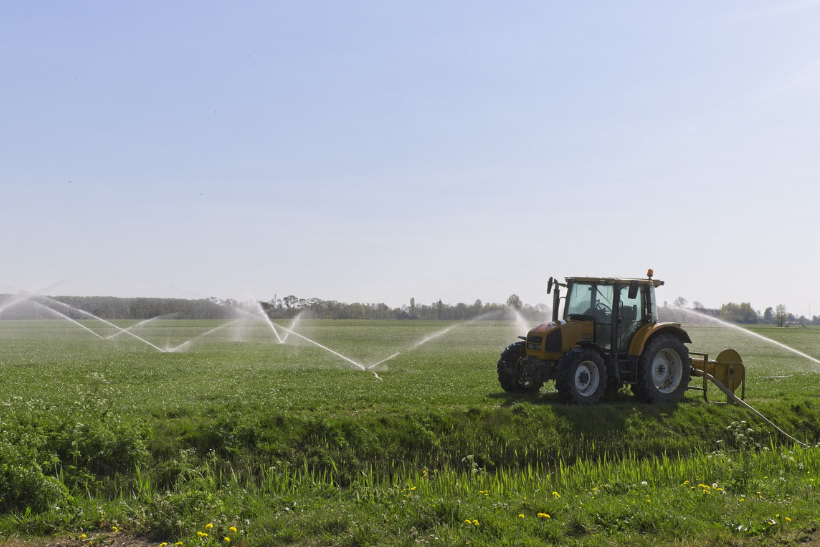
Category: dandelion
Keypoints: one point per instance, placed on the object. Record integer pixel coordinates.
(178, 544)
(556, 494)
(82, 536)
(788, 519)
(543, 516)
(202, 534)
(412, 488)
(163, 544)
(232, 529)
(209, 526)
(520, 515)
(467, 521)
(475, 522)
(226, 539)
(114, 528)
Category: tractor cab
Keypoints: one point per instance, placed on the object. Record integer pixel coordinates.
(617, 308)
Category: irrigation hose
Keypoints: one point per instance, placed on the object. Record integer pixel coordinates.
(733, 397)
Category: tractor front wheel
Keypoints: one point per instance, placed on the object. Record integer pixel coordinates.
(510, 375)
(664, 370)
(580, 376)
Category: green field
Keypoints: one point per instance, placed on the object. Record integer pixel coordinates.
(292, 444)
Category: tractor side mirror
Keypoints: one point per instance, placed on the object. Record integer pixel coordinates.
(549, 286)
(633, 289)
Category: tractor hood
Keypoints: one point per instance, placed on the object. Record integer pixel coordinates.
(549, 341)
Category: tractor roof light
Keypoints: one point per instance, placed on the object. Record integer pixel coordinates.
(650, 273)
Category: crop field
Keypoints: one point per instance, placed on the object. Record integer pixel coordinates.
(292, 443)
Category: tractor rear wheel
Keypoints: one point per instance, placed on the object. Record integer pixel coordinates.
(580, 376)
(664, 370)
(509, 371)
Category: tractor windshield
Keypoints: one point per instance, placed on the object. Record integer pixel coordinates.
(594, 302)
(590, 299)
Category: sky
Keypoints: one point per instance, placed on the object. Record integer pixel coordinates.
(377, 151)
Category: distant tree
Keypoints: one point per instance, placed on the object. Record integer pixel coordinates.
(768, 316)
(738, 313)
(680, 302)
(514, 302)
(412, 307)
(698, 306)
(780, 315)
(290, 302)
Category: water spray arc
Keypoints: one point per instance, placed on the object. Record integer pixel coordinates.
(67, 317)
(750, 333)
(136, 325)
(262, 315)
(433, 336)
(192, 340)
(315, 343)
(89, 314)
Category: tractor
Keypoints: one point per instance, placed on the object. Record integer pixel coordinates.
(609, 336)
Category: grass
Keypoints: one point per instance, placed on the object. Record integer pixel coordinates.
(291, 444)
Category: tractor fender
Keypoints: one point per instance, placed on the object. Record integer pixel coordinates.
(645, 333)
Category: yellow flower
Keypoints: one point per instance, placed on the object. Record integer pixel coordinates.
(232, 529)
(227, 540)
(83, 536)
(467, 521)
(788, 519)
(543, 516)
(114, 528)
(209, 526)
(162, 544)
(412, 488)
(202, 534)
(520, 515)
(178, 544)
(556, 494)
(475, 522)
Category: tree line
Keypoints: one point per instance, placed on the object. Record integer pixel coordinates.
(110, 307)
(732, 312)
(316, 308)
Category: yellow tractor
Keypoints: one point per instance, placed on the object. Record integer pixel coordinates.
(609, 336)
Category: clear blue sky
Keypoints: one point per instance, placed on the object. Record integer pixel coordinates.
(378, 151)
